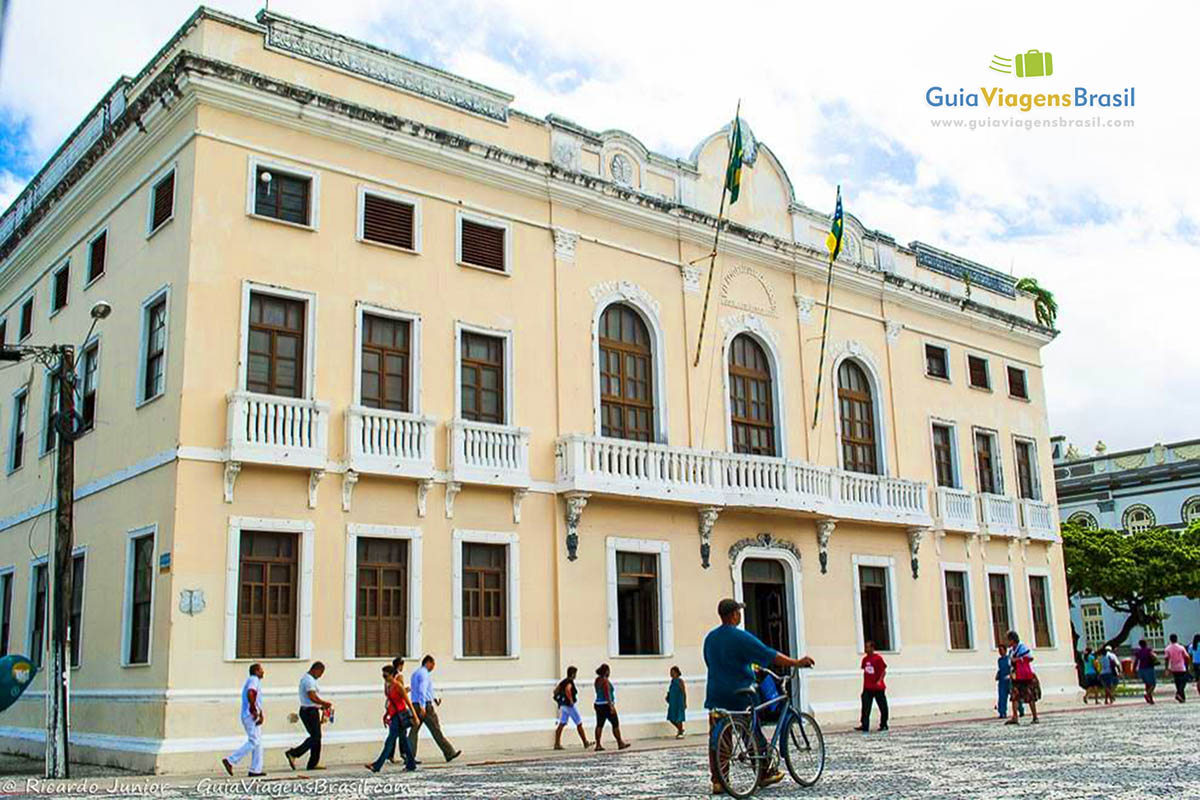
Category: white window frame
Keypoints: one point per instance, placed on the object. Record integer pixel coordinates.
(154, 182)
(955, 460)
(254, 163)
(997, 457)
(509, 370)
(658, 357)
(987, 366)
(16, 420)
(410, 534)
(1130, 509)
(163, 293)
(63, 266)
(945, 348)
(969, 591)
(1008, 383)
(1035, 469)
(31, 299)
(306, 531)
(488, 221)
(1041, 572)
(11, 571)
(77, 552)
(512, 544)
(988, 571)
(87, 267)
(767, 343)
(413, 319)
(397, 197)
(80, 372)
(34, 563)
(666, 609)
(888, 563)
(132, 535)
(310, 331)
(1193, 501)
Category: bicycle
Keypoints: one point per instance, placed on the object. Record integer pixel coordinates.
(743, 755)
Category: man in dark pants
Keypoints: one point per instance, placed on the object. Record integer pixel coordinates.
(425, 703)
(873, 667)
(311, 709)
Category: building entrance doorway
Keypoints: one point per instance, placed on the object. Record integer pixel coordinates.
(764, 591)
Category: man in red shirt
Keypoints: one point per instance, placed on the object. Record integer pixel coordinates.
(873, 667)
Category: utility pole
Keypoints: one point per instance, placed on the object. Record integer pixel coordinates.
(58, 764)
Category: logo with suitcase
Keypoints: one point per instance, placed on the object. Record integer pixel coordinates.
(1030, 64)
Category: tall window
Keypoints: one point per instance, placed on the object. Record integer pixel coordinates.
(998, 594)
(957, 610)
(25, 330)
(484, 601)
(873, 596)
(943, 455)
(162, 201)
(141, 594)
(937, 364)
(1039, 603)
(482, 378)
(89, 383)
(3, 331)
(97, 253)
(1155, 637)
(386, 362)
(637, 604)
(381, 608)
(626, 385)
(985, 463)
(857, 411)
(977, 369)
(267, 595)
(37, 629)
(275, 361)
(1016, 383)
(16, 457)
(61, 287)
(281, 196)
(76, 623)
(154, 365)
(6, 582)
(1026, 464)
(750, 398)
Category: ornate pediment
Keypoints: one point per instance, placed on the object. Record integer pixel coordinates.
(624, 290)
(765, 540)
(735, 323)
(744, 287)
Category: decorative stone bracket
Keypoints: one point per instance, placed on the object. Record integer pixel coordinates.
(518, 496)
(232, 468)
(575, 501)
(939, 535)
(423, 488)
(349, 479)
(914, 544)
(708, 519)
(452, 490)
(314, 478)
(824, 533)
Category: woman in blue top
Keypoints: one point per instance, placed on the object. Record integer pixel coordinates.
(606, 707)
(677, 702)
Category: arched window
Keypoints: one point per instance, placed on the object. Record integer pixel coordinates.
(626, 382)
(857, 408)
(751, 409)
(1191, 510)
(1083, 519)
(1137, 518)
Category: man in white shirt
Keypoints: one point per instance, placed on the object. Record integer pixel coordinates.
(425, 703)
(252, 720)
(311, 708)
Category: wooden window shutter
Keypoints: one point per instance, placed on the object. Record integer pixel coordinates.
(483, 245)
(389, 222)
(1016, 383)
(164, 201)
(96, 255)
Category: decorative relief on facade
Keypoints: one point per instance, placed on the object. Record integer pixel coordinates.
(574, 514)
(744, 287)
(762, 540)
(1131, 461)
(708, 519)
(893, 329)
(566, 151)
(620, 168)
(804, 308)
(624, 290)
(856, 349)
(915, 535)
(691, 278)
(749, 322)
(1186, 452)
(1158, 453)
(824, 533)
(565, 242)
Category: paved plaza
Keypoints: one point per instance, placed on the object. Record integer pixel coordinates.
(1128, 751)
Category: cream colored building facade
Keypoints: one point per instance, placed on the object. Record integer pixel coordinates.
(276, 200)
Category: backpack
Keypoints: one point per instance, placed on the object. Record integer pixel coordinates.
(560, 693)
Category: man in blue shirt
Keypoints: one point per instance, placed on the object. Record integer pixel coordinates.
(420, 691)
(729, 653)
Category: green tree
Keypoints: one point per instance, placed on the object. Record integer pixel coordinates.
(1044, 304)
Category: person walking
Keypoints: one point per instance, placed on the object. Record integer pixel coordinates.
(1110, 674)
(1003, 680)
(677, 701)
(252, 720)
(426, 702)
(1177, 664)
(1024, 680)
(1194, 652)
(606, 707)
(874, 689)
(312, 708)
(397, 717)
(1091, 677)
(566, 694)
(398, 679)
(1144, 662)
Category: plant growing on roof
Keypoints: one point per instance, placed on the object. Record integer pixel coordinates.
(1044, 305)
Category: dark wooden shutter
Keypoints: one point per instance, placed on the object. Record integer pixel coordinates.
(139, 612)
(267, 595)
(956, 610)
(76, 622)
(1041, 616)
(5, 613)
(386, 363)
(26, 328)
(935, 361)
(876, 618)
(986, 462)
(484, 599)
(482, 378)
(96, 255)
(998, 592)
(943, 455)
(37, 636)
(275, 357)
(751, 400)
(1025, 485)
(483, 245)
(388, 221)
(1016, 383)
(978, 369)
(62, 284)
(164, 201)
(381, 608)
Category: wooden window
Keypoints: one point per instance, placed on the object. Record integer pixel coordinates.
(978, 369)
(483, 245)
(626, 382)
(61, 287)
(857, 410)
(89, 383)
(1026, 484)
(637, 604)
(154, 368)
(20, 411)
(25, 330)
(275, 361)
(281, 196)
(386, 362)
(141, 594)
(482, 378)
(267, 595)
(388, 221)
(985, 461)
(751, 403)
(6, 584)
(936, 362)
(162, 202)
(1016, 383)
(76, 622)
(943, 455)
(956, 610)
(97, 252)
(998, 593)
(876, 616)
(485, 599)
(381, 607)
(1039, 600)
(37, 630)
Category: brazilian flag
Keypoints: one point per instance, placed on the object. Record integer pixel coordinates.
(733, 175)
(834, 240)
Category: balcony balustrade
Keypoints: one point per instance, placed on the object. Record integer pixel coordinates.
(496, 455)
(957, 510)
(279, 431)
(396, 443)
(1038, 520)
(999, 514)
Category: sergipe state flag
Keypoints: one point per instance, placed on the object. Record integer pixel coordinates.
(733, 175)
(834, 240)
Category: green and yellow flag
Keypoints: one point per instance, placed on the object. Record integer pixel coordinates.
(733, 175)
(833, 242)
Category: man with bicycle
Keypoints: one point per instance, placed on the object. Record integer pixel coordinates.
(729, 653)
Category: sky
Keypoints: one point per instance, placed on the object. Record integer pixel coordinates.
(1107, 219)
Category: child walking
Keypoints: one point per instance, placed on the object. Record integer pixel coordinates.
(1003, 680)
(677, 702)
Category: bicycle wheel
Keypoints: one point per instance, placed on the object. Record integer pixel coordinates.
(804, 749)
(737, 757)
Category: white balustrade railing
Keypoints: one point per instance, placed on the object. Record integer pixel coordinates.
(956, 510)
(999, 514)
(385, 442)
(270, 429)
(1038, 518)
(482, 452)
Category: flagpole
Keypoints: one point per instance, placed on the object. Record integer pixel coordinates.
(712, 257)
(825, 328)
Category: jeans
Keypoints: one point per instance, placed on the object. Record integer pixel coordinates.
(311, 717)
(1181, 682)
(1003, 689)
(881, 700)
(397, 735)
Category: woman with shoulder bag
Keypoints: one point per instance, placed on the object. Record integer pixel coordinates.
(398, 717)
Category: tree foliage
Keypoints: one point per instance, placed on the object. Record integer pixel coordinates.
(1044, 304)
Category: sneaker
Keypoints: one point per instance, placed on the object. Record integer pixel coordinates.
(679, 736)
(291, 760)
(257, 775)
(771, 779)
(228, 767)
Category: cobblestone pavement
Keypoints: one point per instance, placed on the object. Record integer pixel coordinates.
(1127, 751)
